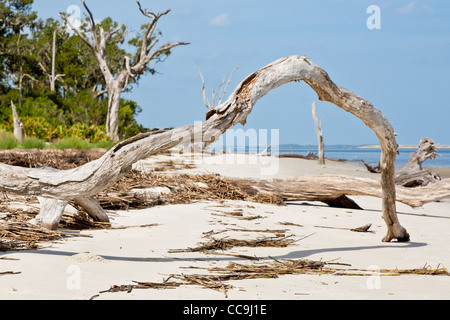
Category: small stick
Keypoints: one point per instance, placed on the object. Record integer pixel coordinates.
(363, 228)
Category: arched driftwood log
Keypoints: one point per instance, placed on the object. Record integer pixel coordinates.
(85, 181)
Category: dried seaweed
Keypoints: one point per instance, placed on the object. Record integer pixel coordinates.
(143, 285)
(273, 268)
(18, 235)
(59, 159)
(227, 243)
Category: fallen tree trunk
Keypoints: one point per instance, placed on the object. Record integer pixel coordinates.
(412, 174)
(89, 179)
(329, 189)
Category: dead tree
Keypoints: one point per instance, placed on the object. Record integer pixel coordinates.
(52, 76)
(18, 125)
(81, 183)
(319, 133)
(412, 174)
(116, 83)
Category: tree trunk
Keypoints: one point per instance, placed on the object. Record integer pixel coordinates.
(50, 212)
(20, 87)
(112, 119)
(91, 178)
(18, 126)
(319, 133)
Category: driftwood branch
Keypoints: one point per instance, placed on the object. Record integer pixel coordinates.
(91, 178)
(371, 168)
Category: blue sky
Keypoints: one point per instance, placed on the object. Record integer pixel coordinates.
(403, 69)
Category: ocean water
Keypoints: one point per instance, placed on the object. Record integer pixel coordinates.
(355, 154)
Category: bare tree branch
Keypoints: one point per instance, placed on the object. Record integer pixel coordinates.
(126, 65)
(205, 99)
(78, 32)
(140, 65)
(224, 91)
(93, 26)
(214, 91)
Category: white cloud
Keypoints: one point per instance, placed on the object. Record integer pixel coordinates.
(222, 20)
(413, 7)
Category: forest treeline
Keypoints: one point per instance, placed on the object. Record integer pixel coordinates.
(54, 79)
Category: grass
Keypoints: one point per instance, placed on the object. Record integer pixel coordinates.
(32, 143)
(104, 144)
(72, 143)
(8, 141)
(80, 144)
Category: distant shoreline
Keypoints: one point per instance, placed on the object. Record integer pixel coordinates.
(402, 146)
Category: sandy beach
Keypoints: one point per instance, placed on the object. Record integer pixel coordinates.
(142, 246)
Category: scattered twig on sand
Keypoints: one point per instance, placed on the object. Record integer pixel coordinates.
(242, 256)
(2, 273)
(364, 228)
(290, 224)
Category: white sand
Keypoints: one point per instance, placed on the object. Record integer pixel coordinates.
(80, 267)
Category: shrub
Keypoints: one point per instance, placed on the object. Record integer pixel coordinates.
(40, 128)
(90, 132)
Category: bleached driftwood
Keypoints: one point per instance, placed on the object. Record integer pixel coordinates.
(319, 133)
(91, 178)
(329, 188)
(412, 174)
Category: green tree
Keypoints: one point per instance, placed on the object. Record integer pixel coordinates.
(34, 54)
(16, 59)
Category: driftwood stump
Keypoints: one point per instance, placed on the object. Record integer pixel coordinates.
(412, 174)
